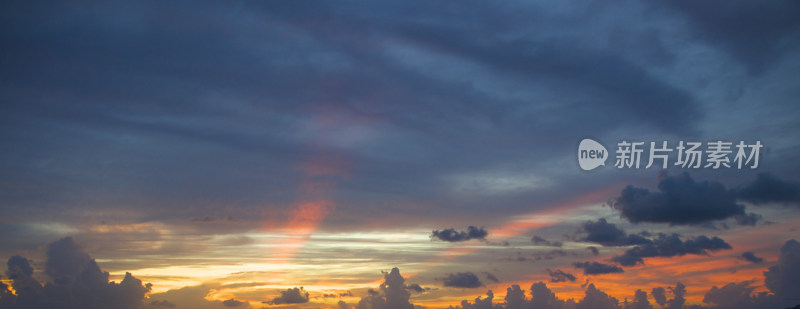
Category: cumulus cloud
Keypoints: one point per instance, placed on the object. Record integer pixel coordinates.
(596, 299)
(640, 301)
(560, 276)
(233, 303)
(669, 246)
(608, 234)
(781, 279)
(679, 200)
(77, 282)
(770, 189)
(415, 287)
(597, 268)
(392, 295)
(491, 277)
(539, 241)
(751, 257)
(593, 250)
(291, 296)
(451, 235)
(462, 280)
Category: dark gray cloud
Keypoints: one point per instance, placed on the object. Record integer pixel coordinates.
(415, 287)
(679, 200)
(669, 246)
(491, 277)
(608, 234)
(770, 189)
(593, 250)
(640, 301)
(291, 296)
(597, 268)
(462, 280)
(751, 257)
(539, 241)
(233, 303)
(560, 276)
(86, 287)
(731, 295)
(596, 299)
(451, 235)
(781, 279)
(392, 295)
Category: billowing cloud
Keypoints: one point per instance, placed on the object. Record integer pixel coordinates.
(233, 303)
(593, 250)
(770, 189)
(751, 257)
(491, 277)
(78, 282)
(462, 280)
(781, 279)
(560, 276)
(392, 295)
(640, 301)
(597, 268)
(679, 200)
(539, 241)
(596, 299)
(451, 235)
(291, 296)
(669, 246)
(608, 234)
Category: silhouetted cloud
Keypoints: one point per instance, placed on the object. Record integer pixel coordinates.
(451, 235)
(544, 242)
(781, 279)
(78, 283)
(491, 277)
(593, 250)
(608, 234)
(770, 189)
(597, 268)
(750, 257)
(640, 301)
(462, 280)
(392, 295)
(560, 276)
(291, 296)
(596, 299)
(233, 303)
(679, 200)
(415, 287)
(669, 246)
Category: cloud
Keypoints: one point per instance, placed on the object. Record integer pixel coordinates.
(608, 234)
(491, 277)
(750, 257)
(640, 301)
(679, 200)
(462, 280)
(560, 276)
(392, 295)
(596, 299)
(291, 296)
(415, 287)
(539, 241)
(731, 295)
(597, 268)
(781, 279)
(770, 189)
(451, 235)
(192, 297)
(85, 286)
(593, 250)
(669, 246)
(233, 303)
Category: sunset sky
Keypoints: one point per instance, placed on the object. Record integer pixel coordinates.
(291, 154)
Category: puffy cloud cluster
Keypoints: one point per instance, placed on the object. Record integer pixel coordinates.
(392, 295)
(77, 282)
(608, 234)
(451, 235)
(560, 276)
(539, 241)
(291, 296)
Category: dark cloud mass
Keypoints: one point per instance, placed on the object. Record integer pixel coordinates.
(451, 235)
(462, 280)
(597, 268)
(608, 234)
(669, 246)
(291, 296)
(781, 279)
(770, 189)
(539, 241)
(560, 276)
(750, 257)
(85, 286)
(679, 200)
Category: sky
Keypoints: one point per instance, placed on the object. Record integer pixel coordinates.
(397, 154)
